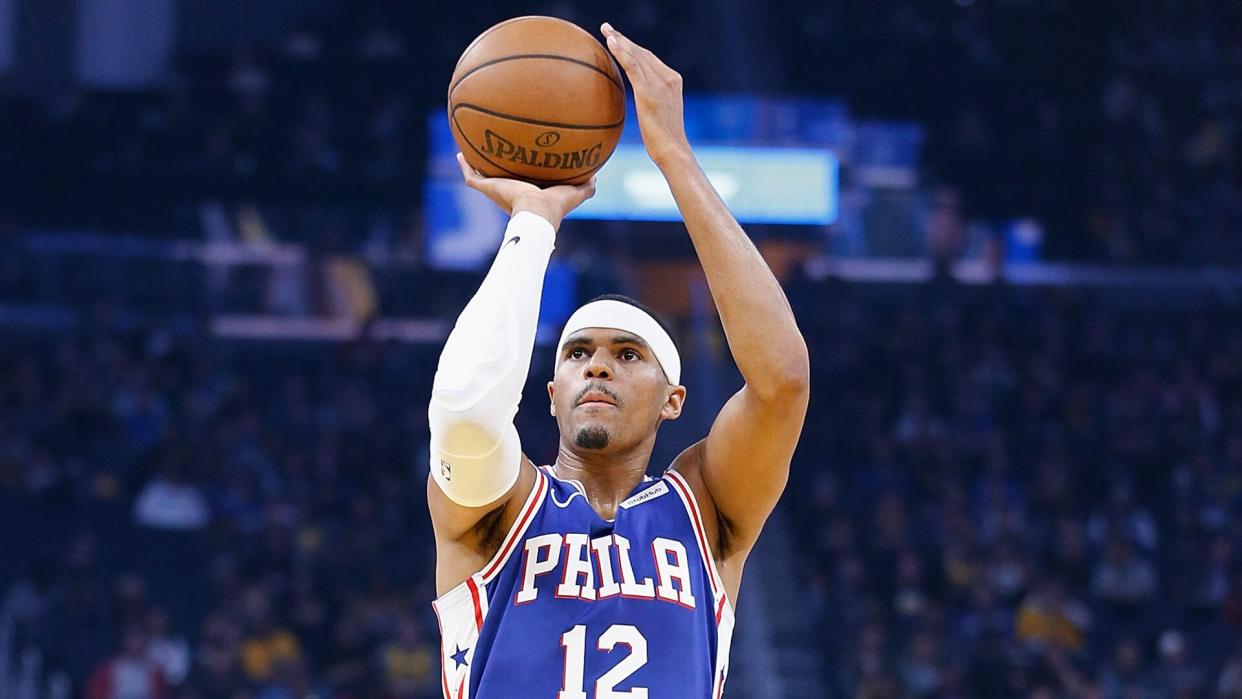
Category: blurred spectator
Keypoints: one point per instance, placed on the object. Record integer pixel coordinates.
(945, 229)
(217, 671)
(1178, 674)
(170, 500)
(130, 674)
(409, 666)
(170, 652)
(1047, 618)
(1233, 603)
(1124, 676)
(290, 680)
(1229, 686)
(922, 674)
(267, 648)
(1123, 519)
(1123, 577)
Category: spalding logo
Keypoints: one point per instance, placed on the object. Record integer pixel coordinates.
(503, 148)
(547, 138)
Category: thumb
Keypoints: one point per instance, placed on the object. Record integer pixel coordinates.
(472, 178)
(584, 191)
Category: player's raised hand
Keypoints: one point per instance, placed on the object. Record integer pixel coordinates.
(657, 96)
(552, 203)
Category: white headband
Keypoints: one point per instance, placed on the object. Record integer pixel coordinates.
(631, 319)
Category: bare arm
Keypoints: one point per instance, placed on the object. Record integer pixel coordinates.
(744, 461)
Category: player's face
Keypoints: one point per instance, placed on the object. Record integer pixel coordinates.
(609, 391)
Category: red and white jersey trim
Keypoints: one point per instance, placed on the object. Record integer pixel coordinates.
(460, 612)
(724, 609)
(518, 530)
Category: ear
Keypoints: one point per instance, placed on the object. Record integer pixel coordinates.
(673, 403)
(551, 399)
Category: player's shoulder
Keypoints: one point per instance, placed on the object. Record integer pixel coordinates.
(689, 463)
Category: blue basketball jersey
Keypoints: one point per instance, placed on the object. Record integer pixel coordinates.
(577, 607)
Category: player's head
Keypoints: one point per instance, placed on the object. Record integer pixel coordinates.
(617, 375)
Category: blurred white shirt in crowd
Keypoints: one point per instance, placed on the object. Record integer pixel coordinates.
(163, 504)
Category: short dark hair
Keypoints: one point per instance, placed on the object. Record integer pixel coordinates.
(642, 307)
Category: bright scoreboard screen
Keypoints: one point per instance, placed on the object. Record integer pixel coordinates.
(759, 185)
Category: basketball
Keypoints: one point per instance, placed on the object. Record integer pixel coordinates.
(537, 99)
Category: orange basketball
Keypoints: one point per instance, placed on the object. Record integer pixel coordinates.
(536, 99)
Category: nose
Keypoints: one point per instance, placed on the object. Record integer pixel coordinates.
(598, 367)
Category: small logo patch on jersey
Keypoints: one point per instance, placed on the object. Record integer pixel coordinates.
(446, 470)
(651, 493)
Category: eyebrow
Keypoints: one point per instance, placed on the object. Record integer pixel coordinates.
(616, 340)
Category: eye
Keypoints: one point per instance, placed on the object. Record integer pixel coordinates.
(630, 355)
(577, 353)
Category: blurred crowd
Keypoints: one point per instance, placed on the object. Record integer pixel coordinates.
(333, 112)
(186, 519)
(1010, 493)
(999, 492)
(1113, 124)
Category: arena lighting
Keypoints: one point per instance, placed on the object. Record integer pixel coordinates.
(760, 185)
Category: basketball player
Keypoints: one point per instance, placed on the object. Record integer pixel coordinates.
(586, 578)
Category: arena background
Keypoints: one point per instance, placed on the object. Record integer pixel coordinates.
(230, 250)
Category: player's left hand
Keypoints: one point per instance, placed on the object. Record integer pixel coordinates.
(657, 96)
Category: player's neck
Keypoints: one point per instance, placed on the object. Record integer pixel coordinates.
(607, 478)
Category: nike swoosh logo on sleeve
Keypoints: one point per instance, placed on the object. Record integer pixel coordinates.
(513, 240)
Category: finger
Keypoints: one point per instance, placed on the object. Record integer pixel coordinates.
(640, 53)
(611, 32)
(632, 67)
(625, 51)
(472, 177)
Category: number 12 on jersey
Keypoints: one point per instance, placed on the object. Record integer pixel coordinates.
(574, 643)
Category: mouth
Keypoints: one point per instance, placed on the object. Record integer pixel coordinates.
(596, 399)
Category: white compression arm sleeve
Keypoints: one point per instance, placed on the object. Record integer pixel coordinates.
(475, 451)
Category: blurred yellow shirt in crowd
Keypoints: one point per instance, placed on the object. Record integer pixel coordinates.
(260, 655)
(407, 669)
(1039, 625)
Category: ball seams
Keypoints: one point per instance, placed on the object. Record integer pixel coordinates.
(548, 56)
(534, 122)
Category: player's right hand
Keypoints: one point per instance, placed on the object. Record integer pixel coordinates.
(551, 203)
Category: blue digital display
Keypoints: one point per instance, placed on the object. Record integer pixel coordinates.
(759, 185)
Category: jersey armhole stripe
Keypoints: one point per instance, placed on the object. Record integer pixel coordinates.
(478, 607)
(696, 523)
(527, 513)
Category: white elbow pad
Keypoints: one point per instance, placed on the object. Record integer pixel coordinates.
(475, 450)
(483, 471)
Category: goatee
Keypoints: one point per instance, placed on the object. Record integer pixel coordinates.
(592, 438)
